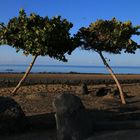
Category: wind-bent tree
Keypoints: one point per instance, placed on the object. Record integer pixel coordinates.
(38, 36)
(110, 36)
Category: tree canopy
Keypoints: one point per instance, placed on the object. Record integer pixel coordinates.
(38, 35)
(111, 36)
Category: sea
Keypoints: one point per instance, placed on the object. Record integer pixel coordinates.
(69, 69)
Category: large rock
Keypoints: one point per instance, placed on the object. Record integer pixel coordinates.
(12, 118)
(72, 119)
(102, 91)
(84, 89)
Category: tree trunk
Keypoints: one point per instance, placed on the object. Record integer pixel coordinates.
(114, 77)
(24, 76)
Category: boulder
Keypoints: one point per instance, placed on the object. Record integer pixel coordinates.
(102, 91)
(72, 119)
(115, 92)
(84, 89)
(12, 118)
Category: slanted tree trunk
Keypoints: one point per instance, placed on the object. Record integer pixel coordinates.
(24, 76)
(114, 77)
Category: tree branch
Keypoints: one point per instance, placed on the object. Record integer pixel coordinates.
(2, 26)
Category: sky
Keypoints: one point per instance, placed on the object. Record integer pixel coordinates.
(80, 13)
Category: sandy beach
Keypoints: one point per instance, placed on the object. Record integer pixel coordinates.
(36, 98)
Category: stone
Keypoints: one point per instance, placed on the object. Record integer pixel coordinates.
(12, 118)
(102, 91)
(84, 89)
(67, 103)
(73, 121)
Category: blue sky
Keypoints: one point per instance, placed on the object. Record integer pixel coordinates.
(80, 13)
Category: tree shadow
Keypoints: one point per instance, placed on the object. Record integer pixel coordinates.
(41, 121)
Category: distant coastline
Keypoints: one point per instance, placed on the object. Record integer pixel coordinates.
(13, 68)
(61, 73)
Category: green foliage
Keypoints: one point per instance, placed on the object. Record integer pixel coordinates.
(38, 35)
(110, 36)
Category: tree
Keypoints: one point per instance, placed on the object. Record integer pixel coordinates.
(38, 36)
(110, 36)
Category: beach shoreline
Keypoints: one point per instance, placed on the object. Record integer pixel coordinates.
(11, 79)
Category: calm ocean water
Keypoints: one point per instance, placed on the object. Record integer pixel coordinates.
(67, 69)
